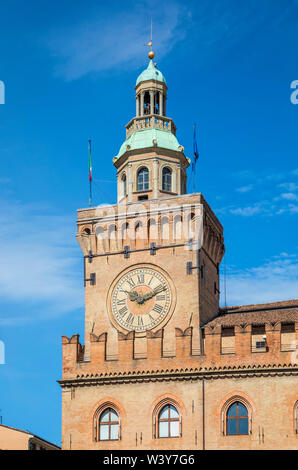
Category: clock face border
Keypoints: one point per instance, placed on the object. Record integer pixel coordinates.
(123, 273)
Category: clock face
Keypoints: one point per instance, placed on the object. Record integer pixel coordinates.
(141, 299)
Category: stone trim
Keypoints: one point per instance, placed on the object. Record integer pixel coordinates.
(181, 375)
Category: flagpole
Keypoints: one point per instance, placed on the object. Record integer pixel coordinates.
(90, 175)
(194, 177)
(196, 156)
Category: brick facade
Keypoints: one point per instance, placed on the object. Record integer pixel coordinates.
(200, 360)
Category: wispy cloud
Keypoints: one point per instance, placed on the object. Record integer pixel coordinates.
(289, 196)
(247, 211)
(245, 189)
(289, 186)
(40, 265)
(276, 279)
(274, 194)
(116, 39)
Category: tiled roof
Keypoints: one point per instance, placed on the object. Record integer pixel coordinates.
(256, 314)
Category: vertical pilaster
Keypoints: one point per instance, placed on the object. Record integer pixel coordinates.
(178, 184)
(151, 102)
(155, 178)
(174, 187)
(160, 103)
(129, 182)
(142, 104)
(137, 105)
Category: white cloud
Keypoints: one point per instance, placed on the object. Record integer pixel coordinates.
(276, 279)
(117, 39)
(40, 263)
(246, 211)
(289, 186)
(289, 196)
(245, 189)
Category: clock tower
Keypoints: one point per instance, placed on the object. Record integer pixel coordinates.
(151, 275)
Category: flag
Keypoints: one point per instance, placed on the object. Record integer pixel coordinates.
(195, 146)
(90, 165)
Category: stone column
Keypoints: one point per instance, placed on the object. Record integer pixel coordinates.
(151, 102)
(142, 104)
(137, 105)
(178, 184)
(155, 178)
(129, 182)
(174, 187)
(164, 105)
(160, 103)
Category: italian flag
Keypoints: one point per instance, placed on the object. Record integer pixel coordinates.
(90, 165)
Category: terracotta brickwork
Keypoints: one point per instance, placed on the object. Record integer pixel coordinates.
(182, 374)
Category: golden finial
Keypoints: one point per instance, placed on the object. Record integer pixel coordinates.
(150, 53)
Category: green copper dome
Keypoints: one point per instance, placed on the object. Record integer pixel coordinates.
(150, 73)
(144, 139)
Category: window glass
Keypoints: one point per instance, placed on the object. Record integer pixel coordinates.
(104, 432)
(166, 179)
(143, 179)
(174, 427)
(114, 416)
(164, 414)
(243, 426)
(108, 425)
(114, 431)
(242, 411)
(168, 422)
(237, 419)
(105, 416)
(232, 426)
(163, 429)
(173, 412)
(232, 411)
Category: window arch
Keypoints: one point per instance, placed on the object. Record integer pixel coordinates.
(123, 185)
(108, 425)
(143, 179)
(237, 419)
(167, 179)
(168, 422)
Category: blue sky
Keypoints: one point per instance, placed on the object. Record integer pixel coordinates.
(69, 69)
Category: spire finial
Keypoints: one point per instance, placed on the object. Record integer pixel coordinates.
(150, 53)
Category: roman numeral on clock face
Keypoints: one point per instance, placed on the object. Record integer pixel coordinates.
(160, 297)
(121, 302)
(140, 321)
(141, 278)
(158, 308)
(159, 288)
(123, 311)
(131, 282)
(130, 318)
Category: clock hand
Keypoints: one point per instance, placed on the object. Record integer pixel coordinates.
(133, 295)
(149, 295)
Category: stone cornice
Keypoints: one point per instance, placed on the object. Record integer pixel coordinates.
(266, 370)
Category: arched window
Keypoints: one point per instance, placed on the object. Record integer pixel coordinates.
(168, 422)
(108, 425)
(166, 179)
(143, 179)
(237, 419)
(124, 185)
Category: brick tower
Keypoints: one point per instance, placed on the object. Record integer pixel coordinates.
(151, 267)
